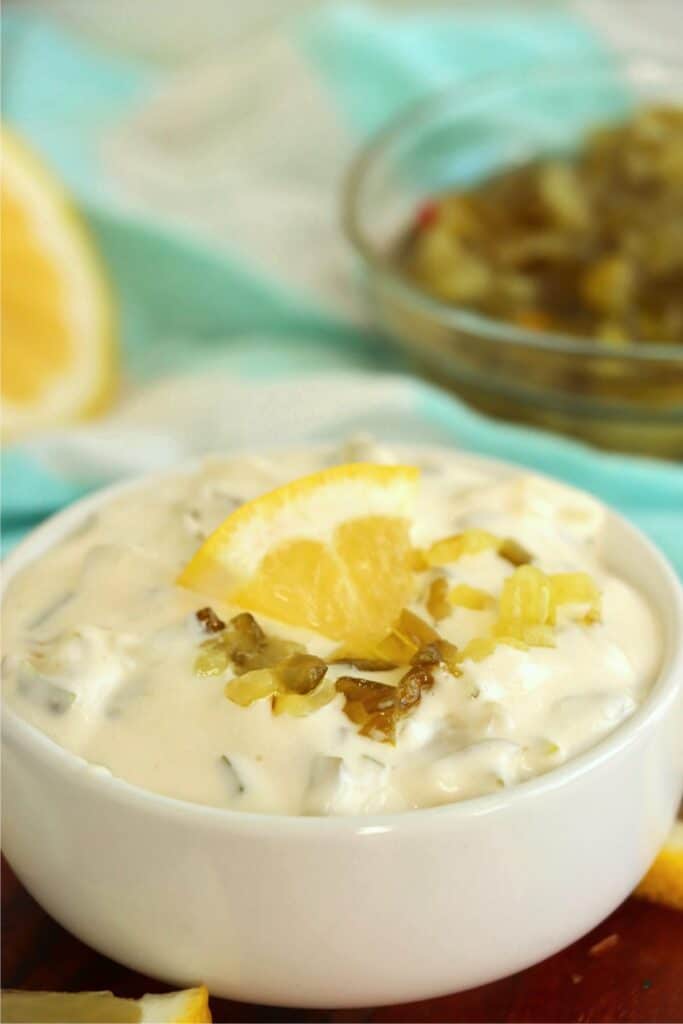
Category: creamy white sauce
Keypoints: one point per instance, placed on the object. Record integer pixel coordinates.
(100, 645)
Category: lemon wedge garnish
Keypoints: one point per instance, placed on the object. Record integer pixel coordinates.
(190, 1006)
(330, 552)
(58, 348)
(664, 881)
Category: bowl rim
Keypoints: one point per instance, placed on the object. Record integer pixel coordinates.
(16, 731)
(461, 96)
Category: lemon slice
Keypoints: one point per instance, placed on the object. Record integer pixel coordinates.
(57, 324)
(664, 881)
(330, 552)
(187, 1007)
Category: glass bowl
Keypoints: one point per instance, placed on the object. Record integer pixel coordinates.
(630, 398)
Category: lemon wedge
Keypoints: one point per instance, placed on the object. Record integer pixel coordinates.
(186, 1007)
(664, 881)
(330, 552)
(58, 361)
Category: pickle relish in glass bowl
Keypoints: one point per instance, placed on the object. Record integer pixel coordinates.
(522, 240)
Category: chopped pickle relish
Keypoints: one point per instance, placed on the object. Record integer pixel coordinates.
(588, 244)
(527, 613)
(513, 646)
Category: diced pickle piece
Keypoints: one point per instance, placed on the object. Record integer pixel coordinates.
(396, 648)
(530, 598)
(409, 689)
(514, 552)
(244, 631)
(302, 704)
(300, 673)
(562, 195)
(607, 286)
(427, 655)
(250, 648)
(577, 588)
(464, 596)
(381, 727)
(371, 706)
(372, 695)
(439, 652)
(252, 686)
(437, 602)
(410, 636)
(246, 643)
(272, 654)
(415, 629)
(526, 600)
(450, 656)
(209, 621)
(376, 708)
(470, 542)
(212, 659)
(241, 641)
(483, 647)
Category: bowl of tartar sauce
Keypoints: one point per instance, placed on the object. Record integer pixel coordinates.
(369, 848)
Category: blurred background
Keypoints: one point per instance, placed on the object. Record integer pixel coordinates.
(231, 224)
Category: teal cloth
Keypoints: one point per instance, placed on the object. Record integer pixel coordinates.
(376, 65)
(183, 303)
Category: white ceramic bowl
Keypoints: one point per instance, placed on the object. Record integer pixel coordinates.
(357, 910)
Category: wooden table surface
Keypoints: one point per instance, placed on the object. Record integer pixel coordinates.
(639, 977)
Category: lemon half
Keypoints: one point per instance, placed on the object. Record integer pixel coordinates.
(58, 349)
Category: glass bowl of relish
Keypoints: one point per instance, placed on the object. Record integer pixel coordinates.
(521, 239)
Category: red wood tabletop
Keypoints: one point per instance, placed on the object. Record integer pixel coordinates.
(637, 976)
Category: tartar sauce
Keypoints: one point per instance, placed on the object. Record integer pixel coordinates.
(100, 650)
